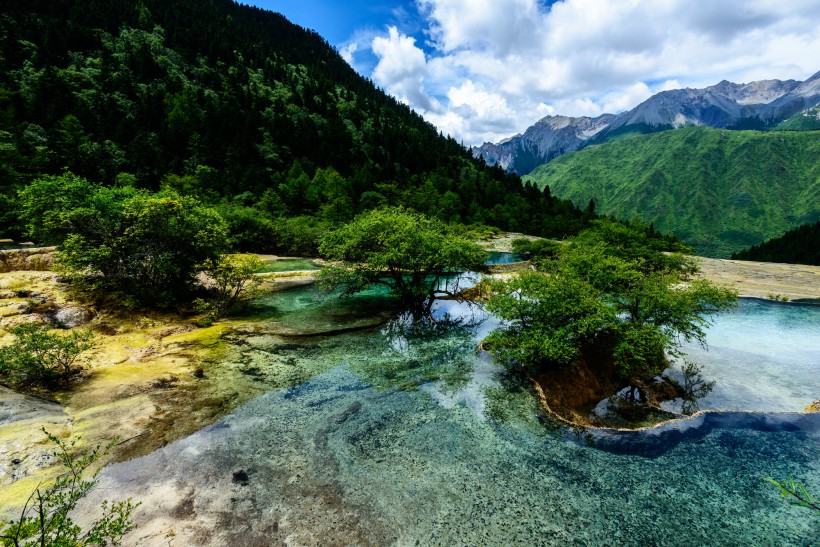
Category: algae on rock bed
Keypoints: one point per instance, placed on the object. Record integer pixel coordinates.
(155, 378)
(140, 386)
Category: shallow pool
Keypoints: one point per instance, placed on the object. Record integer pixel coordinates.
(410, 436)
(763, 356)
(497, 258)
(288, 265)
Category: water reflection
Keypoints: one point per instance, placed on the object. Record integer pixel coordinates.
(412, 350)
(336, 462)
(763, 356)
(357, 455)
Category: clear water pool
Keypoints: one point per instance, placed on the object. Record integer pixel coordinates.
(288, 265)
(497, 258)
(358, 455)
(763, 356)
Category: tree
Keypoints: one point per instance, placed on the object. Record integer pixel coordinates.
(148, 246)
(624, 302)
(233, 279)
(39, 356)
(46, 520)
(400, 249)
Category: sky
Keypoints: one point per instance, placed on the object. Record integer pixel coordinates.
(484, 70)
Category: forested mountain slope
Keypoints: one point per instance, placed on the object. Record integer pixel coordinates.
(798, 246)
(720, 191)
(236, 106)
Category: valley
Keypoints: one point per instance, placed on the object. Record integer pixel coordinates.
(719, 191)
(258, 285)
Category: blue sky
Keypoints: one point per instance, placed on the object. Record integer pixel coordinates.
(483, 70)
(337, 21)
(342, 23)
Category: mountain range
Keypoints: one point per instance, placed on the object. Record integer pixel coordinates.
(719, 191)
(757, 105)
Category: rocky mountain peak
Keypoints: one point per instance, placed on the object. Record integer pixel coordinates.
(760, 104)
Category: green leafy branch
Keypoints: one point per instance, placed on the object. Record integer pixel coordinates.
(45, 518)
(795, 493)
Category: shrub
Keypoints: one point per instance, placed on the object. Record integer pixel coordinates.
(233, 278)
(39, 356)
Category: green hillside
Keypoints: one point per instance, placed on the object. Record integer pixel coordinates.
(808, 120)
(720, 191)
(237, 107)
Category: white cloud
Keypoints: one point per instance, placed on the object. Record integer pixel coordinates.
(402, 68)
(348, 50)
(494, 67)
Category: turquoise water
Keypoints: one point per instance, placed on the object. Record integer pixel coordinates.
(763, 356)
(497, 258)
(408, 439)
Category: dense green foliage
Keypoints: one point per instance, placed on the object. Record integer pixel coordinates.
(46, 518)
(798, 246)
(39, 356)
(719, 191)
(147, 246)
(400, 249)
(238, 107)
(612, 296)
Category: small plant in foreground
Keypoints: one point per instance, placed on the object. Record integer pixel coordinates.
(795, 493)
(45, 517)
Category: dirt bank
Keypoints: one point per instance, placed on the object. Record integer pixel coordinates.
(764, 279)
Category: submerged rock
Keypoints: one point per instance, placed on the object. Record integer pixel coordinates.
(28, 319)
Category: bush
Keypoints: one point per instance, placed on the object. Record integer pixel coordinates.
(249, 229)
(147, 246)
(299, 236)
(39, 356)
(233, 278)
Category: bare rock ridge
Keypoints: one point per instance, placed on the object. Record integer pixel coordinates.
(549, 138)
(726, 105)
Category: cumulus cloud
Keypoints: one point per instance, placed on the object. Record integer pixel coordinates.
(486, 69)
(402, 68)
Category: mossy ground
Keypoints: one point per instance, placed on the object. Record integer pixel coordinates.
(150, 379)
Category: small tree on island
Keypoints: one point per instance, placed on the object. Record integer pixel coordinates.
(399, 249)
(611, 295)
(233, 280)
